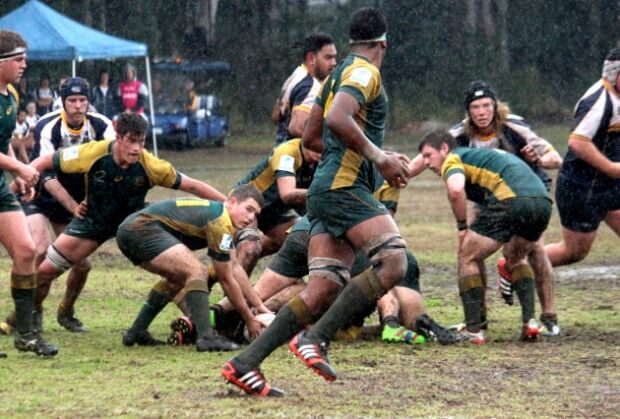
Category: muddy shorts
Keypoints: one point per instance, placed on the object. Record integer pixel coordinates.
(142, 239)
(338, 210)
(268, 220)
(8, 200)
(86, 228)
(292, 258)
(54, 212)
(524, 217)
(582, 208)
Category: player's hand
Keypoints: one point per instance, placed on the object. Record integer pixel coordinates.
(80, 210)
(29, 175)
(262, 309)
(530, 155)
(395, 169)
(255, 327)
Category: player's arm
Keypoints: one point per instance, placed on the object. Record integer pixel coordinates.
(289, 193)
(416, 166)
(312, 138)
(60, 194)
(27, 173)
(200, 189)
(457, 196)
(225, 274)
(275, 112)
(341, 122)
(248, 291)
(297, 123)
(589, 153)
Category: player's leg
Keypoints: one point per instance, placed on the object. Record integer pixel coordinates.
(61, 256)
(76, 279)
(545, 288)
(574, 247)
(474, 248)
(15, 237)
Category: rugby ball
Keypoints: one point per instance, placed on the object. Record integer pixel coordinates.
(264, 318)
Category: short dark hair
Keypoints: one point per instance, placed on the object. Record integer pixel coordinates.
(129, 122)
(246, 191)
(10, 40)
(315, 41)
(367, 23)
(436, 138)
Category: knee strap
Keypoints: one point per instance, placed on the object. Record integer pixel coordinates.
(57, 259)
(332, 269)
(383, 245)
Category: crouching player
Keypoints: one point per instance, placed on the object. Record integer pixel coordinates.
(161, 238)
(515, 208)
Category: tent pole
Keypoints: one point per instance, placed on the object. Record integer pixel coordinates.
(151, 110)
(72, 68)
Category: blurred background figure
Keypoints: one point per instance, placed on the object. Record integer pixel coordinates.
(102, 96)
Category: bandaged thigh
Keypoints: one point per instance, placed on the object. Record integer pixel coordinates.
(57, 259)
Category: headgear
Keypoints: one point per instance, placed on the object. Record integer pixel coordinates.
(74, 86)
(477, 90)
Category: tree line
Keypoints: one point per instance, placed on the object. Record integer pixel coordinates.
(539, 55)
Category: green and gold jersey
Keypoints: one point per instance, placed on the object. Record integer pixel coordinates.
(196, 221)
(285, 160)
(341, 167)
(493, 175)
(113, 192)
(8, 117)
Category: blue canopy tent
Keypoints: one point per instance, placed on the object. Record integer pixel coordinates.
(52, 36)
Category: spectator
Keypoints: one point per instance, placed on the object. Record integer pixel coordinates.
(32, 117)
(44, 95)
(21, 140)
(25, 95)
(102, 96)
(132, 93)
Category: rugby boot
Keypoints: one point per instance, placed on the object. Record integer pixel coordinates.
(214, 342)
(401, 334)
(66, 318)
(432, 330)
(251, 381)
(33, 342)
(314, 355)
(140, 338)
(530, 331)
(465, 335)
(504, 283)
(183, 332)
(549, 327)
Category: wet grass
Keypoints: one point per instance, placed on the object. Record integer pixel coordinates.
(576, 375)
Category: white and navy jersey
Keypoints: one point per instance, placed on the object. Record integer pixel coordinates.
(516, 134)
(298, 93)
(53, 133)
(597, 120)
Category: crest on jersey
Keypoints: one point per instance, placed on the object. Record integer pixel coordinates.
(227, 243)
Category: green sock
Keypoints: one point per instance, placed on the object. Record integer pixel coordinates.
(24, 306)
(198, 306)
(155, 302)
(524, 289)
(472, 306)
(284, 326)
(350, 304)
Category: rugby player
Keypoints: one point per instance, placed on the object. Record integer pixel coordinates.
(515, 208)
(161, 238)
(118, 174)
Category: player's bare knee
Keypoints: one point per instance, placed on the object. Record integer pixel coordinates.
(388, 256)
(83, 266)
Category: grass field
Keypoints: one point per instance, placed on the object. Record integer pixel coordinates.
(575, 375)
